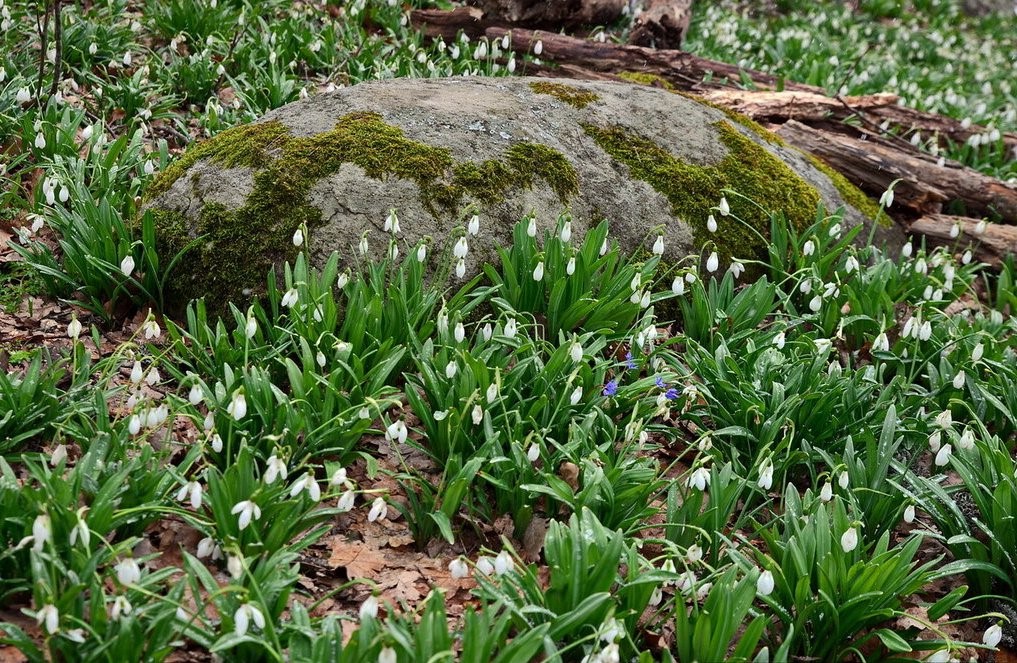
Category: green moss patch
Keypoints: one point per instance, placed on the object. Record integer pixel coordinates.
(691, 189)
(647, 79)
(238, 246)
(851, 194)
(571, 95)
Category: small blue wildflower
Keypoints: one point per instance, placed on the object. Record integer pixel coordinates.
(671, 394)
(611, 388)
(660, 383)
(629, 361)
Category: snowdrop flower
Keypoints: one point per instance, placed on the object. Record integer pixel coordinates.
(196, 395)
(935, 441)
(477, 415)
(981, 227)
(238, 405)
(75, 635)
(809, 248)
(576, 352)
(127, 59)
(851, 264)
(849, 540)
(881, 343)
(570, 266)
(531, 227)
(42, 532)
(346, 501)
(128, 571)
(50, 616)
(290, 297)
(835, 230)
(976, 354)
(944, 419)
(886, 200)
(711, 224)
(74, 328)
(658, 246)
(700, 479)
(992, 636)
(248, 511)
(369, 608)
(127, 265)
(23, 96)
(397, 432)
(958, 380)
(190, 491)
(967, 440)
(450, 370)
(363, 247)
(298, 237)
(723, 207)
(503, 563)
(941, 656)
(121, 606)
(422, 252)
(943, 457)
(215, 441)
(243, 617)
(805, 287)
(460, 268)
(925, 331)
(533, 453)
(151, 328)
(538, 48)
(485, 565)
(815, 304)
(307, 483)
(843, 480)
(712, 262)
(40, 143)
(149, 167)
(510, 328)
(694, 553)
(538, 271)
(387, 655)
(826, 492)
(577, 395)
(460, 332)
(766, 475)
(343, 279)
(81, 529)
(473, 227)
(909, 513)
(678, 286)
(736, 268)
(603, 247)
(636, 282)
(379, 509)
(764, 584)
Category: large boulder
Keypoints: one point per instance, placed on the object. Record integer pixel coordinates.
(440, 150)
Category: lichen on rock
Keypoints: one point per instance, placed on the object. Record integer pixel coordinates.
(570, 94)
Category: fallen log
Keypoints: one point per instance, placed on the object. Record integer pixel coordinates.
(872, 163)
(553, 15)
(990, 245)
(662, 24)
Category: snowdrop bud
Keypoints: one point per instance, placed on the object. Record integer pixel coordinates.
(290, 297)
(86, 133)
(298, 237)
(712, 262)
(658, 246)
(566, 232)
(958, 380)
(826, 492)
(136, 372)
(487, 331)
(976, 353)
(387, 655)
(458, 568)
(460, 268)
(477, 415)
(815, 304)
(50, 616)
(492, 392)
(907, 250)
(473, 227)
(843, 480)
(531, 227)
(74, 328)
(723, 207)
(538, 48)
(711, 224)
(992, 636)
(510, 328)
(450, 370)
(363, 245)
(379, 509)
(935, 440)
(967, 440)
(981, 227)
(40, 142)
(886, 200)
(764, 584)
(538, 271)
(238, 405)
(603, 247)
(59, 455)
(503, 563)
(421, 253)
(570, 267)
(216, 442)
(460, 332)
(849, 540)
(909, 514)
(644, 300)
(127, 265)
(533, 453)
(576, 351)
(234, 565)
(577, 395)
(678, 286)
(127, 59)
(943, 457)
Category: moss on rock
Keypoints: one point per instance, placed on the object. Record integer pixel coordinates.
(647, 79)
(237, 247)
(692, 189)
(571, 95)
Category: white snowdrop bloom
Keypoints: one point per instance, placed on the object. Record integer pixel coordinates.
(363, 247)
(276, 470)
(570, 266)
(925, 331)
(909, 513)
(320, 359)
(765, 584)
(75, 635)
(849, 540)
(247, 511)
(943, 456)
(644, 299)
(835, 230)
(966, 258)
(346, 501)
(127, 265)
(538, 271)
(74, 328)
(422, 253)
(510, 328)
(298, 237)
(503, 563)
(826, 492)
(137, 372)
(577, 395)
(343, 279)
(603, 247)
(531, 227)
(65, 194)
(941, 656)
(379, 509)
(636, 282)
(843, 480)
(458, 568)
(387, 655)
(809, 248)
(190, 492)
(511, 66)
(711, 223)
(713, 262)
(992, 636)
(59, 455)
(766, 475)
(678, 286)
(700, 479)
(686, 581)
(981, 227)
(533, 453)
(149, 167)
(910, 327)
(440, 415)
(805, 287)
(967, 440)
(538, 48)
(40, 143)
(505, 42)
(391, 224)
(121, 607)
(907, 250)
(151, 329)
(238, 405)
(23, 96)
(955, 231)
(477, 415)
(153, 378)
(216, 442)
(935, 440)
(658, 246)
(245, 615)
(442, 321)
(886, 200)
(815, 304)
(693, 554)
(958, 380)
(921, 267)
(339, 477)
(473, 227)
(723, 207)
(450, 370)
(851, 264)
(881, 343)
(576, 352)
(49, 616)
(976, 354)
(459, 333)
(481, 51)
(127, 59)
(42, 532)
(736, 269)
(290, 298)
(307, 483)
(460, 268)
(397, 432)
(128, 572)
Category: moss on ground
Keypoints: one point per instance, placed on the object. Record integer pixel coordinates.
(692, 189)
(239, 246)
(851, 194)
(570, 94)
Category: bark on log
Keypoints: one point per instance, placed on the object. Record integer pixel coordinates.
(875, 109)
(553, 15)
(990, 247)
(872, 163)
(662, 24)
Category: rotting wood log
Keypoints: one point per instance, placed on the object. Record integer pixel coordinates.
(872, 163)
(874, 109)
(662, 24)
(553, 15)
(991, 246)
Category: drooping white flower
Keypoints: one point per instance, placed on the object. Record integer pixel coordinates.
(967, 439)
(815, 304)
(190, 491)
(503, 563)
(248, 511)
(713, 262)
(577, 395)
(215, 441)
(766, 475)
(290, 297)
(387, 655)
(40, 142)
(459, 334)
(538, 48)
(694, 553)
(128, 572)
(477, 415)
(346, 501)
(711, 224)
(363, 247)
(826, 492)
(849, 539)
(945, 419)
(379, 509)
(699, 479)
(307, 483)
(843, 480)
(460, 268)
(473, 227)
(422, 252)
(909, 513)
(533, 453)
(121, 607)
(958, 380)
(943, 456)
(976, 354)
(74, 328)
(723, 207)
(678, 286)
(42, 532)
(538, 271)
(23, 96)
(397, 432)
(765, 584)
(127, 265)
(886, 200)
(992, 636)
(244, 616)
(461, 248)
(510, 328)
(485, 565)
(49, 616)
(737, 268)
(658, 246)
(298, 237)
(458, 568)
(570, 266)
(238, 405)
(81, 530)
